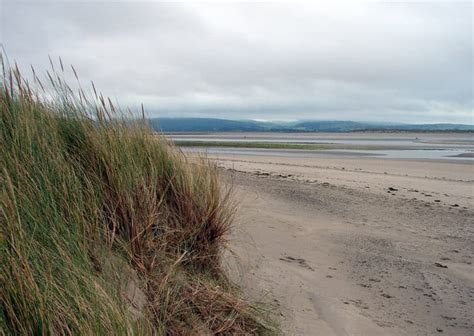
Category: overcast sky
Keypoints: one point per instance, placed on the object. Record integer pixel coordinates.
(373, 61)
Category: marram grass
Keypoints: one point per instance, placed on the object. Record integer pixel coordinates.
(106, 230)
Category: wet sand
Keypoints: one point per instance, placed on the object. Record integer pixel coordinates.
(356, 246)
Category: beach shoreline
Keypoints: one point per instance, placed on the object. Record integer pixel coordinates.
(355, 246)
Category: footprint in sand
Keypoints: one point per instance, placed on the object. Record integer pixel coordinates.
(299, 261)
(388, 296)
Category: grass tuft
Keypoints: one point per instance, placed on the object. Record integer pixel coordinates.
(104, 228)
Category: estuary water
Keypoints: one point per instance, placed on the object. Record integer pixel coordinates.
(426, 146)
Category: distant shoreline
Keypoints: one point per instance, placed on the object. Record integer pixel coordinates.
(318, 142)
(173, 125)
(417, 146)
(380, 131)
(289, 146)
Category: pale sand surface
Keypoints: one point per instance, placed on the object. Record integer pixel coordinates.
(338, 255)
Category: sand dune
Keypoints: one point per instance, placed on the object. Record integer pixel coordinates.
(356, 247)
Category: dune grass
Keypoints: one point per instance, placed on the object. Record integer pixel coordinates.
(104, 229)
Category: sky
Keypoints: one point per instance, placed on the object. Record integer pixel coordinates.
(327, 60)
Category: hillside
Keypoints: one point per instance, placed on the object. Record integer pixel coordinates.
(223, 125)
(204, 125)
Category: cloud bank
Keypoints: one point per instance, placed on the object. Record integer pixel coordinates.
(408, 62)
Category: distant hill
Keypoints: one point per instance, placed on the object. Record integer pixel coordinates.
(225, 125)
(332, 126)
(204, 125)
(351, 126)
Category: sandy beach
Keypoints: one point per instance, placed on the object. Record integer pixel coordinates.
(356, 246)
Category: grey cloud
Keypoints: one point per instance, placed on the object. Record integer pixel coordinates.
(365, 61)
